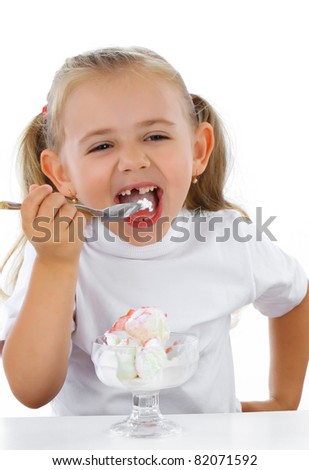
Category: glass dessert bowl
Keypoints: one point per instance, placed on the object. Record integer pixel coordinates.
(144, 371)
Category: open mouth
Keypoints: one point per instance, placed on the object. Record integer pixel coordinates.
(152, 194)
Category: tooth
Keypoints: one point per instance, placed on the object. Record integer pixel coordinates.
(127, 192)
(146, 189)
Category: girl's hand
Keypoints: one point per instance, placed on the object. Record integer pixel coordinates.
(266, 405)
(52, 225)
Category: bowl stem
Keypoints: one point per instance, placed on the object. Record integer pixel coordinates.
(145, 419)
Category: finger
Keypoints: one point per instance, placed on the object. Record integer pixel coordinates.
(32, 187)
(33, 201)
(79, 222)
(77, 217)
(51, 206)
(69, 224)
(65, 215)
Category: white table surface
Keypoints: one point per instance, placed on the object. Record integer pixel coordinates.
(275, 430)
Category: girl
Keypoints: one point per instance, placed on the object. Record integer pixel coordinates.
(120, 123)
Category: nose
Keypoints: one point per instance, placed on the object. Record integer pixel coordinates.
(133, 159)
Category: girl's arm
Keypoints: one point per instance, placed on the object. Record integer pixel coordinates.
(35, 355)
(289, 356)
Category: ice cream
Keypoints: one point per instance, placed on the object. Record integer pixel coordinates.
(145, 204)
(150, 359)
(143, 332)
(143, 324)
(139, 353)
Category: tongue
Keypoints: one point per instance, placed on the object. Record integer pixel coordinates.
(135, 196)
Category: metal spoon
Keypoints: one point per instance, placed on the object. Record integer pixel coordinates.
(112, 213)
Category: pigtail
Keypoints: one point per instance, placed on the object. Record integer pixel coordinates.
(33, 142)
(14, 258)
(208, 193)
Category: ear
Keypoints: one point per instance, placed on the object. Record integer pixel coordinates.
(54, 169)
(203, 146)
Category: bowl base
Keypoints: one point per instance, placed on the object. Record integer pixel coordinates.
(154, 428)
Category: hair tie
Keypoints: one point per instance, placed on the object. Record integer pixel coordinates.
(44, 110)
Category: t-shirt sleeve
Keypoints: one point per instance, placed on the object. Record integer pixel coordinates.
(10, 309)
(280, 282)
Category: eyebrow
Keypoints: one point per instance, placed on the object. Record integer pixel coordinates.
(150, 122)
(146, 123)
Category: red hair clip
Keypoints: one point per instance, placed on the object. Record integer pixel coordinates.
(44, 110)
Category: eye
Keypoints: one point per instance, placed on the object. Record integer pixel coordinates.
(156, 137)
(99, 148)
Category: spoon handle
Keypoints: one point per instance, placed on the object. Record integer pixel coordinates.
(10, 205)
(112, 213)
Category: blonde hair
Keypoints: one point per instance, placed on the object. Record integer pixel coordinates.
(46, 130)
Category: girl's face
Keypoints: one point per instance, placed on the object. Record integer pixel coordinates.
(129, 133)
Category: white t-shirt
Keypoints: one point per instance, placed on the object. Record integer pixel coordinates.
(199, 274)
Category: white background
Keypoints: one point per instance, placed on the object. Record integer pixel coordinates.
(248, 58)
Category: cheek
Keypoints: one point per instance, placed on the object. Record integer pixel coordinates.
(180, 167)
(181, 174)
(89, 171)
(91, 181)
